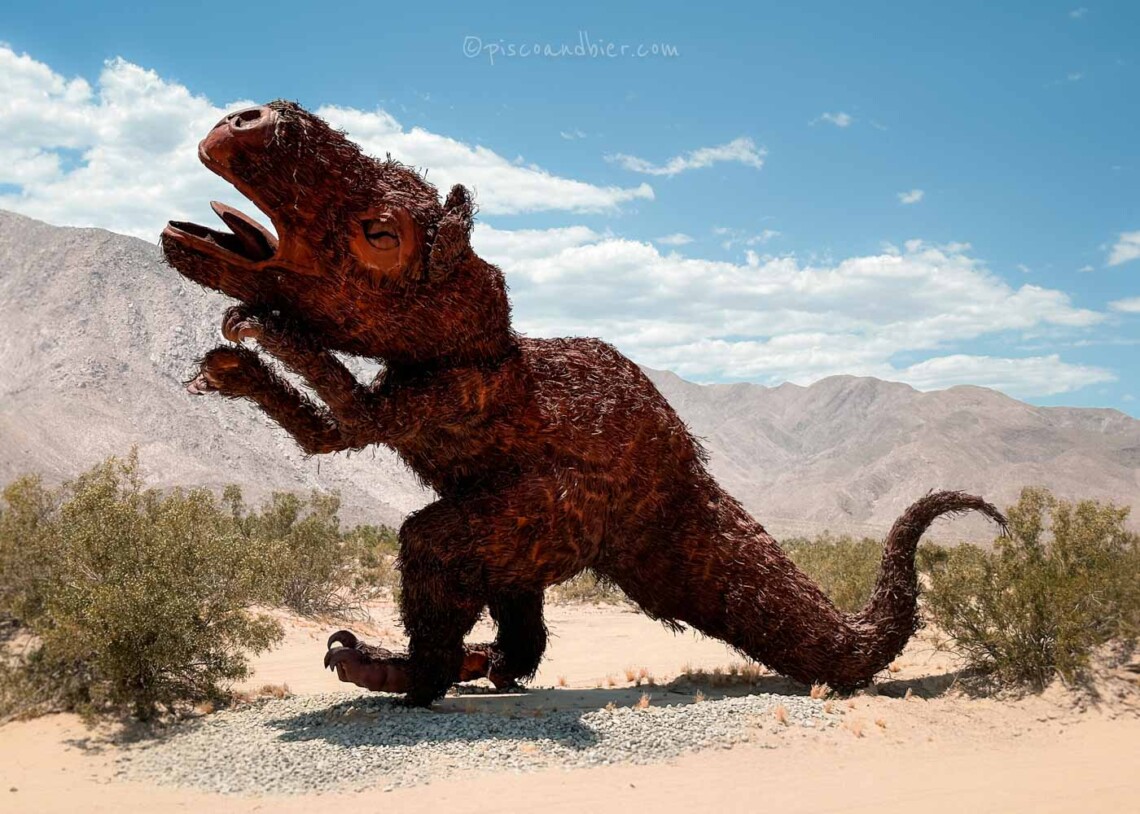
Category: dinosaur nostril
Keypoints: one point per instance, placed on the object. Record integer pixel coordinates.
(245, 119)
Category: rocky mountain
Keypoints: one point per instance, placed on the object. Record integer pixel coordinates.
(97, 335)
(851, 453)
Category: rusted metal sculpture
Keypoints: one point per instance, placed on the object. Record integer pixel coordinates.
(549, 456)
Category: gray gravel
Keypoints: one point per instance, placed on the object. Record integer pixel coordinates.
(336, 743)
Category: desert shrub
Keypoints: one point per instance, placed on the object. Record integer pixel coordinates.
(304, 554)
(375, 549)
(24, 514)
(128, 599)
(588, 587)
(1065, 581)
(845, 568)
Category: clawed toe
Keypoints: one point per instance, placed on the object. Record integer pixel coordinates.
(373, 668)
(335, 659)
(343, 637)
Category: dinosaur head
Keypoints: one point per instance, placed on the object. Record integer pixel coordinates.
(361, 249)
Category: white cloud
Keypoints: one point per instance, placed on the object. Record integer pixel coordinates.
(741, 150)
(1024, 269)
(1078, 13)
(1086, 269)
(1127, 306)
(675, 239)
(503, 187)
(122, 153)
(1075, 76)
(739, 237)
(1127, 248)
(839, 119)
(1039, 375)
(530, 244)
(911, 197)
(777, 319)
(572, 135)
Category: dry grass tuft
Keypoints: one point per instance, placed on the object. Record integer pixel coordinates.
(642, 702)
(855, 727)
(879, 722)
(562, 682)
(630, 674)
(699, 697)
(781, 713)
(610, 681)
(735, 674)
(820, 691)
(829, 707)
(277, 691)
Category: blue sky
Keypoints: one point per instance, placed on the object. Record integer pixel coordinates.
(938, 194)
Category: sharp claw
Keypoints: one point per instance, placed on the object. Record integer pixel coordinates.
(200, 385)
(343, 637)
(333, 658)
(237, 325)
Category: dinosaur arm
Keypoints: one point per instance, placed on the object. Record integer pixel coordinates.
(395, 408)
(348, 401)
(240, 373)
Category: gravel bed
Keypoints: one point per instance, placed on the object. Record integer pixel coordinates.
(332, 743)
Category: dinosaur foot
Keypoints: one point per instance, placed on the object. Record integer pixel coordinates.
(381, 670)
(479, 662)
(366, 665)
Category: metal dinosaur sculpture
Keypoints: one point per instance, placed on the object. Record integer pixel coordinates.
(549, 456)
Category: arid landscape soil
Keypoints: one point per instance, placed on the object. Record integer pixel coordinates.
(917, 741)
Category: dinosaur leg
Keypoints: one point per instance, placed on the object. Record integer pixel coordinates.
(500, 548)
(518, 646)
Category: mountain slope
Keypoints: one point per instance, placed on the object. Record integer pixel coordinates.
(851, 453)
(97, 334)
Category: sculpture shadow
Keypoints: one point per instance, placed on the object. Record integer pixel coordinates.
(382, 721)
(476, 713)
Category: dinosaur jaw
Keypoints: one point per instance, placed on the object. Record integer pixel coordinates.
(248, 244)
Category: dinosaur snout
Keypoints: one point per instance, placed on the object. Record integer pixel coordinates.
(248, 128)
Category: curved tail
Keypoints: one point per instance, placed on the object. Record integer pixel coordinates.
(890, 617)
(785, 620)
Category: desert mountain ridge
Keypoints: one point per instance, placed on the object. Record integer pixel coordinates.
(98, 335)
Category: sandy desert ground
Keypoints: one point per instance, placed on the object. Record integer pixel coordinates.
(934, 748)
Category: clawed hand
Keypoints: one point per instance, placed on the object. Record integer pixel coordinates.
(241, 322)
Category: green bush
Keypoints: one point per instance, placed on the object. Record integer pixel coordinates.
(845, 568)
(24, 514)
(375, 549)
(307, 559)
(130, 599)
(1065, 581)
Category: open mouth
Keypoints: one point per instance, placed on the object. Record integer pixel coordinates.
(247, 239)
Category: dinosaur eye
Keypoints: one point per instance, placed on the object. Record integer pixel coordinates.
(381, 234)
